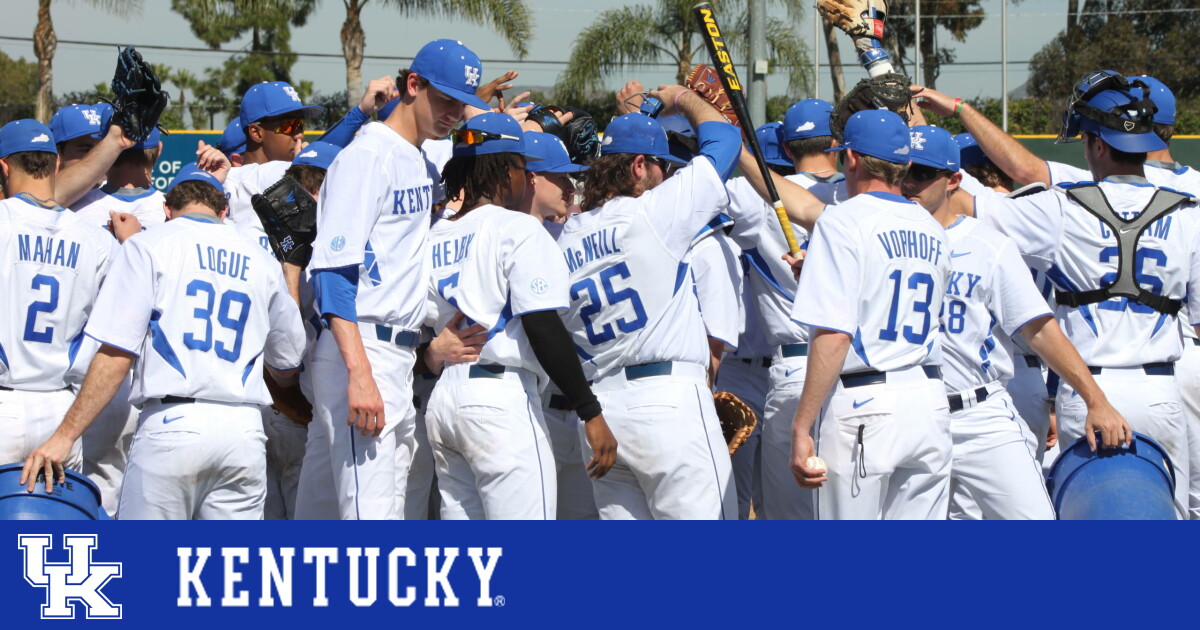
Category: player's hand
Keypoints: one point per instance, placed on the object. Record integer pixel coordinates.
(933, 100)
(455, 345)
(629, 98)
(604, 447)
(1113, 428)
(503, 82)
(366, 405)
(796, 262)
(518, 113)
(117, 134)
(379, 93)
(802, 449)
(668, 95)
(211, 160)
(1052, 435)
(123, 225)
(47, 458)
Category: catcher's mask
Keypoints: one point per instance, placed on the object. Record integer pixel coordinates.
(1085, 111)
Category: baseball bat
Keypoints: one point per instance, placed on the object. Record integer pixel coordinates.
(723, 63)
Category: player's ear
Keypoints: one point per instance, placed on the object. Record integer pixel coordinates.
(637, 168)
(254, 132)
(954, 183)
(5, 167)
(221, 215)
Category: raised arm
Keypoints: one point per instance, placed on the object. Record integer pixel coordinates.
(803, 207)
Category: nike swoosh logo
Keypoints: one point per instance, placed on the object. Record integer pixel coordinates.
(958, 255)
(859, 404)
(791, 372)
(170, 420)
(1127, 230)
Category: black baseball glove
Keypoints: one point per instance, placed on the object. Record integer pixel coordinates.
(579, 134)
(887, 91)
(289, 217)
(138, 98)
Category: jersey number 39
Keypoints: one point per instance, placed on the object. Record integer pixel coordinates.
(225, 318)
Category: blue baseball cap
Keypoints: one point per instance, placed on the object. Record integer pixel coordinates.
(77, 121)
(879, 133)
(319, 154)
(969, 151)
(807, 119)
(1117, 102)
(934, 147)
(506, 136)
(272, 99)
(233, 139)
(768, 141)
(191, 172)
(1162, 97)
(548, 154)
(26, 134)
(151, 141)
(637, 134)
(451, 67)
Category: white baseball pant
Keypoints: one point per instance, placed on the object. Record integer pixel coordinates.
(421, 502)
(489, 442)
(106, 446)
(1187, 376)
(285, 455)
(196, 461)
(994, 473)
(783, 498)
(358, 472)
(750, 380)
(1150, 403)
(27, 419)
(1027, 388)
(576, 500)
(672, 460)
(887, 447)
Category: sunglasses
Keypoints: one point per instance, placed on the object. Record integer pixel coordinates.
(287, 126)
(922, 173)
(472, 137)
(667, 167)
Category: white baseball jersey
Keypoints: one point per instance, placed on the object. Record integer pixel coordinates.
(718, 285)
(1079, 253)
(203, 309)
(1184, 179)
(374, 213)
(877, 269)
(53, 265)
(438, 151)
(989, 297)
(145, 204)
(245, 181)
(495, 265)
(630, 299)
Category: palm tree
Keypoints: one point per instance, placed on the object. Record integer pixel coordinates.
(512, 20)
(643, 34)
(45, 43)
(185, 81)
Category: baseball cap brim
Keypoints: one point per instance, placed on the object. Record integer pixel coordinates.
(882, 155)
(569, 167)
(467, 98)
(1130, 142)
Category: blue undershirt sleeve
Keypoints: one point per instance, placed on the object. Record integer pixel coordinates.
(336, 291)
(343, 132)
(721, 143)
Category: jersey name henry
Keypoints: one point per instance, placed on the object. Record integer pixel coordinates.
(451, 251)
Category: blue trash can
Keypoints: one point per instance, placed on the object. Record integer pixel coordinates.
(76, 500)
(1124, 483)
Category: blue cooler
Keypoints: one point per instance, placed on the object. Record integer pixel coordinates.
(1119, 484)
(76, 500)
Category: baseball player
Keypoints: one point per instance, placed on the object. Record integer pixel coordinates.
(1125, 336)
(370, 268)
(990, 297)
(883, 428)
(635, 321)
(233, 142)
(202, 310)
(53, 266)
(78, 129)
(770, 140)
(128, 188)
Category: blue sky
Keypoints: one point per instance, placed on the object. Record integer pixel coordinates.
(77, 67)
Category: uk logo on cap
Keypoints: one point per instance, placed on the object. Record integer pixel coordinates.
(918, 140)
(92, 116)
(291, 91)
(472, 74)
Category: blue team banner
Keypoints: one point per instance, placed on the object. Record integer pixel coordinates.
(611, 575)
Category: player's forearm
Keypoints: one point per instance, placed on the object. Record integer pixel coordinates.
(1046, 338)
(291, 277)
(803, 208)
(350, 345)
(76, 180)
(1011, 156)
(105, 373)
(716, 350)
(696, 109)
(827, 354)
(555, 352)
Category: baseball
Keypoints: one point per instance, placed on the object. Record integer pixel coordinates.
(814, 463)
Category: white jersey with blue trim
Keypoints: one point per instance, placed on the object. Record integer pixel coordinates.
(145, 204)
(990, 295)
(717, 280)
(1046, 288)
(245, 181)
(877, 269)
(1184, 179)
(374, 214)
(53, 265)
(631, 299)
(495, 265)
(1079, 253)
(202, 308)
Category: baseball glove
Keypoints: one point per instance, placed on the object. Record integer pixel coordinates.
(289, 217)
(737, 419)
(138, 98)
(886, 91)
(579, 135)
(858, 18)
(289, 401)
(705, 81)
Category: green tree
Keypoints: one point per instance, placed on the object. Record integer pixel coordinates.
(511, 19)
(19, 85)
(936, 16)
(666, 32)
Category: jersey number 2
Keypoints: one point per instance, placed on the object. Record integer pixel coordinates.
(613, 297)
(236, 324)
(48, 306)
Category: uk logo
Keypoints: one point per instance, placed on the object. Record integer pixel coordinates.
(918, 140)
(77, 581)
(92, 116)
(472, 74)
(291, 91)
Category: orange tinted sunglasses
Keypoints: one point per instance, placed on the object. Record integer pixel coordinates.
(470, 137)
(287, 126)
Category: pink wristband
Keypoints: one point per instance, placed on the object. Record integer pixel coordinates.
(677, 96)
